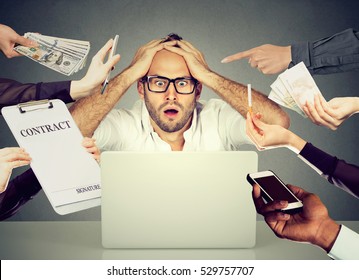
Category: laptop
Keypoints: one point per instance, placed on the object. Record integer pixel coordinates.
(177, 199)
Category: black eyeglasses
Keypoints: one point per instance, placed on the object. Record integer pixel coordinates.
(159, 84)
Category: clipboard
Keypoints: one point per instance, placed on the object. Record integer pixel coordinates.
(68, 174)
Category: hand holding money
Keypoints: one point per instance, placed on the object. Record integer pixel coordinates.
(294, 88)
(8, 39)
(332, 113)
(62, 55)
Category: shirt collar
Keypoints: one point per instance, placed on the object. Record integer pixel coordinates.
(145, 119)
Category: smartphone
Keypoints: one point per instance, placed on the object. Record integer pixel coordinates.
(112, 53)
(272, 188)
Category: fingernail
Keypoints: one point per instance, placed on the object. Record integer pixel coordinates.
(283, 202)
(286, 216)
(224, 60)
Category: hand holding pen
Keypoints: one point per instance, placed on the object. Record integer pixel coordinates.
(111, 54)
(96, 73)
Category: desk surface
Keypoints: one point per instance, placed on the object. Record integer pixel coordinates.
(82, 240)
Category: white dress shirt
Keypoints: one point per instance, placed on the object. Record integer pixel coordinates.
(216, 126)
(346, 246)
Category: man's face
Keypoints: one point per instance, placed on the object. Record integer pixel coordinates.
(170, 110)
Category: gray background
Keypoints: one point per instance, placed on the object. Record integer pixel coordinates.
(217, 28)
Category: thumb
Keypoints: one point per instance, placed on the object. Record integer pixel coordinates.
(25, 42)
(113, 61)
(258, 123)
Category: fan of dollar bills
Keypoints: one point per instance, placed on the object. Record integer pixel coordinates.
(60, 54)
(293, 88)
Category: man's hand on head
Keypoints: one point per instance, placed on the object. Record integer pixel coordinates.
(143, 58)
(193, 57)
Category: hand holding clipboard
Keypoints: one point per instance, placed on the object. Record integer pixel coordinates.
(68, 174)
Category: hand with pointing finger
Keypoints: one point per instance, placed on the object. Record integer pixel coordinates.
(269, 59)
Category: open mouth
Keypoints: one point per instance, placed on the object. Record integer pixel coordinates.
(171, 112)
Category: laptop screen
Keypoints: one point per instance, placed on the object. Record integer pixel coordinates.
(177, 200)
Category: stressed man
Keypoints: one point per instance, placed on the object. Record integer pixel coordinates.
(169, 116)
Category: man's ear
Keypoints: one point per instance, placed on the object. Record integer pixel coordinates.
(141, 89)
(198, 90)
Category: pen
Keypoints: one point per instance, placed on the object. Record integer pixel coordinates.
(104, 86)
(249, 91)
(113, 50)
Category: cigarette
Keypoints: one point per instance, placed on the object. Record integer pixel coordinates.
(249, 90)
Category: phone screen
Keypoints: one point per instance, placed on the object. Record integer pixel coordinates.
(275, 189)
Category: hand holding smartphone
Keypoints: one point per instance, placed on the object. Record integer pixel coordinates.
(272, 188)
(112, 53)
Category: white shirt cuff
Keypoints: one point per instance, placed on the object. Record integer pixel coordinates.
(346, 246)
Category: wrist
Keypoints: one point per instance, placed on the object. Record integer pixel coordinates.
(295, 142)
(326, 235)
(128, 76)
(3, 187)
(211, 80)
(355, 105)
(78, 89)
(287, 55)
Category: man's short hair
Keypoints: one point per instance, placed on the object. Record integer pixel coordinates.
(172, 37)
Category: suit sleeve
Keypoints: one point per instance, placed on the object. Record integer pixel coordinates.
(13, 92)
(19, 191)
(338, 172)
(334, 54)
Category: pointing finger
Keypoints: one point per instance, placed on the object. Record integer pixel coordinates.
(237, 56)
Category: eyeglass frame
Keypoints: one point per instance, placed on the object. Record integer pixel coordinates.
(146, 79)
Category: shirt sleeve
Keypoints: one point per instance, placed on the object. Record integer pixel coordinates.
(13, 92)
(19, 191)
(346, 246)
(107, 134)
(336, 171)
(334, 54)
(232, 127)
